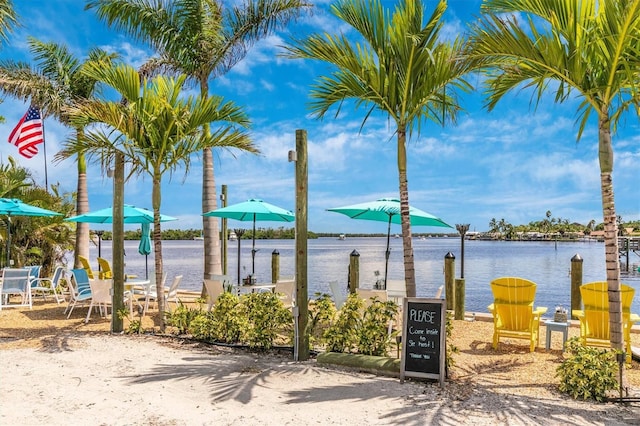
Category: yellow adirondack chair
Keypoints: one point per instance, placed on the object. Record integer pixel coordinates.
(86, 266)
(105, 269)
(594, 317)
(513, 312)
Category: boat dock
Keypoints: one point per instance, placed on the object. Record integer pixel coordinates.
(626, 247)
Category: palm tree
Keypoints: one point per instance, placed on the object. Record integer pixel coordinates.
(8, 19)
(202, 39)
(400, 68)
(57, 82)
(156, 131)
(588, 48)
(35, 240)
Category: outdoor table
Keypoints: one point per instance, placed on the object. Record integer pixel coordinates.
(557, 326)
(252, 288)
(142, 288)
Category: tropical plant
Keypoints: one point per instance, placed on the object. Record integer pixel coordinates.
(156, 130)
(588, 372)
(35, 240)
(399, 67)
(342, 334)
(8, 19)
(13, 178)
(588, 48)
(202, 39)
(54, 84)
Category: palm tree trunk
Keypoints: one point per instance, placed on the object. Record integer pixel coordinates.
(157, 247)
(409, 266)
(210, 231)
(605, 153)
(82, 207)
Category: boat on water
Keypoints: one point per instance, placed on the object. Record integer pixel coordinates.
(232, 236)
(342, 237)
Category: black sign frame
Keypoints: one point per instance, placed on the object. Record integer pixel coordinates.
(423, 337)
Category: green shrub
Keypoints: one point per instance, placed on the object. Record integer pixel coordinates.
(373, 334)
(181, 317)
(450, 347)
(589, 372)
(342, 335)
(202, 326)
(229, 319)
(321, 315)
(267, 316)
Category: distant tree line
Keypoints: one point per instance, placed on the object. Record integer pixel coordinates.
(556, 225)
(191, 234)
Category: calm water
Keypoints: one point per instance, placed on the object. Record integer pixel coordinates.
(546, 263)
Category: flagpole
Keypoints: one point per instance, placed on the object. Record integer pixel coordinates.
(44, 149)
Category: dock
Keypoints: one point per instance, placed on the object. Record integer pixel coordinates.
(627, 247)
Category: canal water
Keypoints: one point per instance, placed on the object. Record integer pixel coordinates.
(546, 263)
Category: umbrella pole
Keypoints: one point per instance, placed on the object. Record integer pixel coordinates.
(386, 263)
(146, 266)
(239, 258)
(8, 265)
(253, 249)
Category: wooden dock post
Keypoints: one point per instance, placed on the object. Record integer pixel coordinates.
(459, 299)
(275, 266)
(354, 271)
(576, 282)
(301, 310)
(449, 276)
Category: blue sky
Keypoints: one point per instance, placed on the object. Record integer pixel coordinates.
(513, 163)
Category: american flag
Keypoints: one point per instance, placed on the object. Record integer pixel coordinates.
(28, 133)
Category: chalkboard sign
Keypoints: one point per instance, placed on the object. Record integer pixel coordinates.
(423, 338)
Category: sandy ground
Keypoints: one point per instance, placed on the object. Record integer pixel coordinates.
(57, 371)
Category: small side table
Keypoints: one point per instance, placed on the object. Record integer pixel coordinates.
(557, 326)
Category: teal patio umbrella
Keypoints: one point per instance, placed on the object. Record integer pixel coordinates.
(15, 207)
(144, 248)
(131, 214)
(388, 210)
(253, 210)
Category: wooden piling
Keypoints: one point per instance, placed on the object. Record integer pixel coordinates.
(301, 310)
(354, 271)
(275, 266)
(449, 276)
(576, 282)
(459, 299)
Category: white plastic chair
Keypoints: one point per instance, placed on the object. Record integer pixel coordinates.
(54, 281)
(100, 296)
(215, 287)
(151, 292)
(396, 291)
(439, 292)
(15, 282)
(370, 295)
(79, 289)
(339, 294)
(172, 292)
(286, 290)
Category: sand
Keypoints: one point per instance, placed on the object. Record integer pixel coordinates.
(81, 374)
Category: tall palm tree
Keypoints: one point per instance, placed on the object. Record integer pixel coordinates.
(156, 130)
(399, 67)
(589, 48)
(55, 83)
(8, 18)
(202, 39)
